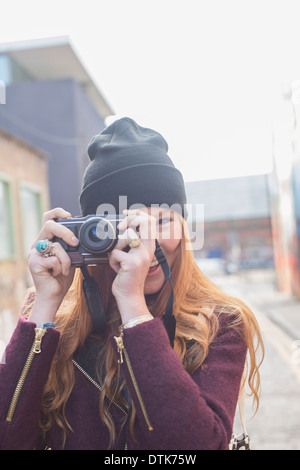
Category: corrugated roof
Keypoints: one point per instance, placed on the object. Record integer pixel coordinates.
(239, 198)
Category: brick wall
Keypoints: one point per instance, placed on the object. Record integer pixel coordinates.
(21, 166)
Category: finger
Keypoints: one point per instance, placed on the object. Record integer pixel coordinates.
(57, 268)
(116, 257)
(57, 213)
(145, 224)
(40, 265)
(131, 215)
(126, 237)
(131, 220)
(65, 261)
(121, 245)
(147, 232)
(53, 229)
(133, 212)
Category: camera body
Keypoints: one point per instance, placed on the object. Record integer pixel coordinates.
(97, 235)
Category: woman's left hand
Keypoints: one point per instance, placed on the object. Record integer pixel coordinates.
(132, 267)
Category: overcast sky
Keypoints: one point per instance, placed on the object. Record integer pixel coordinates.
(206, 74)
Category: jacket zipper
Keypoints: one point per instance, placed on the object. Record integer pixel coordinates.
(99, 388)
(35, 349)
(121, 351)
(96, 385)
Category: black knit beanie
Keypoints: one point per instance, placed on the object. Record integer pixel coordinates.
(132, 161)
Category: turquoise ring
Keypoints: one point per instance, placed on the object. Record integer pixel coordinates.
(43, 247)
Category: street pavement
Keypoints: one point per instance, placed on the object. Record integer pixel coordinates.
(276, 426)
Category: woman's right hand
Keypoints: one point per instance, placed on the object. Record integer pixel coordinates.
(52, 275)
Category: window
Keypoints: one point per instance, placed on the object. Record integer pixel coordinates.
(31, 214)
(6, 232)
(5, 69)
(11, 71)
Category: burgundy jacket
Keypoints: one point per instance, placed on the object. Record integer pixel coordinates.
(174, 410)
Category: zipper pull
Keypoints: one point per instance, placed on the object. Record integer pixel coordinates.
(119, 341)
(39, 333)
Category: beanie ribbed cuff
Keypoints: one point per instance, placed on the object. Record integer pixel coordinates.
(147, 184)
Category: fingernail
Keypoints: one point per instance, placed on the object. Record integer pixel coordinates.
(75, 240)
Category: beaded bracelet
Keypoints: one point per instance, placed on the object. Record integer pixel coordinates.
(47, 325)
(137, 320)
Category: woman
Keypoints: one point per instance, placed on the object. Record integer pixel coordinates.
(65, 385)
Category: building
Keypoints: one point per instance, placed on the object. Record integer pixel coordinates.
(236, 224)
(24, 196)
(285, 190)
(52, 103)
(50, 107)
(296, 191)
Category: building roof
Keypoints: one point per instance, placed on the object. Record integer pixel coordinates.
(238, 198)
(55, 58)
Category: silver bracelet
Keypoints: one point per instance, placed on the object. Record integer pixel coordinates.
(136, 321)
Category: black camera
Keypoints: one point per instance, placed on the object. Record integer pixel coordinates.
(97, 235)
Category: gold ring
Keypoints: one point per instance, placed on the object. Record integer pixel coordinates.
(135, 242)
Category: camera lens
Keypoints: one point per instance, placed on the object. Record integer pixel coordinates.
(93, 234)
(97, 235)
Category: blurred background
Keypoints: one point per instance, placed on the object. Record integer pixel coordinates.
(221, 81)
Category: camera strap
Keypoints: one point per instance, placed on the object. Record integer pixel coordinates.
(95, 305)
(94, 301)
(168, 318)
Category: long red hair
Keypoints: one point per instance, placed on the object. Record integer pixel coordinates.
(197, 303)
